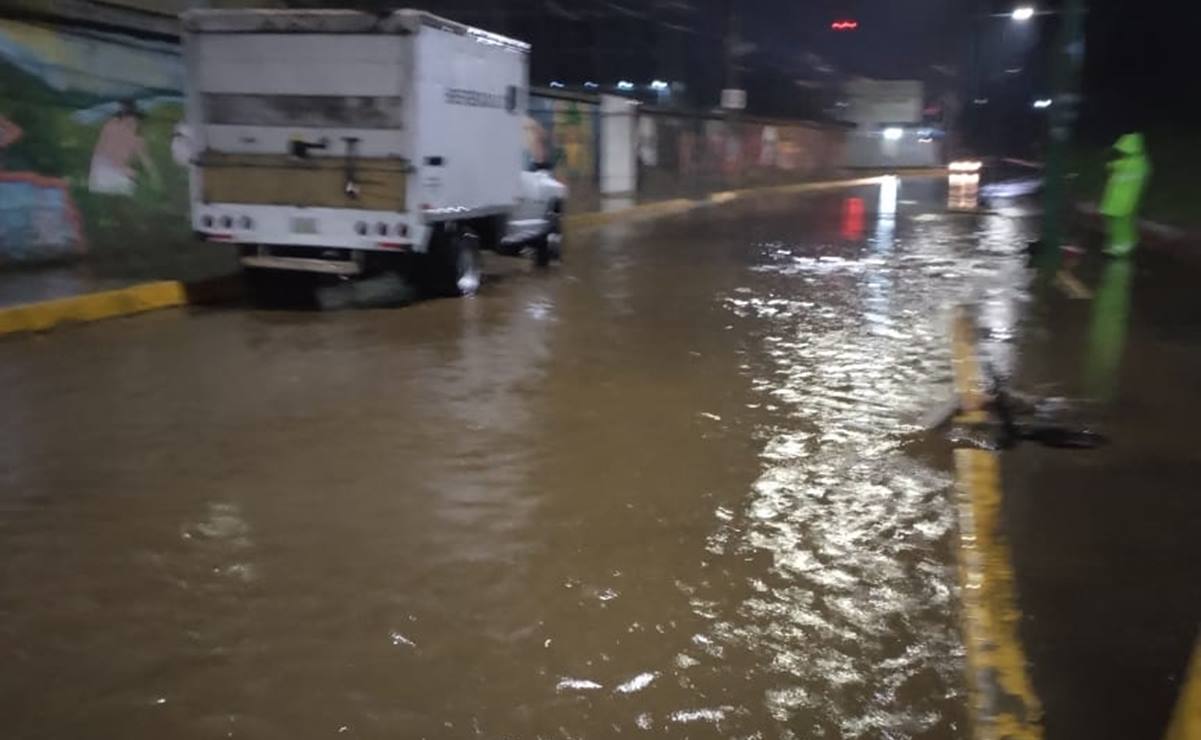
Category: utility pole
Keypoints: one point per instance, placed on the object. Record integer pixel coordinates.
(1068, 60)
(733, 98)
(731, 44)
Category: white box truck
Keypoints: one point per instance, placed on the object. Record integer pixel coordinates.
(347, 143)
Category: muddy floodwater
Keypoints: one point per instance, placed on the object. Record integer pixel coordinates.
(677, 487)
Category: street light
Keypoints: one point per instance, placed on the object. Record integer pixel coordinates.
(1022, 13)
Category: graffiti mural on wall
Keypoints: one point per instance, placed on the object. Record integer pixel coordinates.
(565, 131)
(731, 151)
(87, 121)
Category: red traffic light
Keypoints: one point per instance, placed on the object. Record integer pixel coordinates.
(845, 25)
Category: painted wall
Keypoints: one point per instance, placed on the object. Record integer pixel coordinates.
(93, 155)
(87, 122)
(567, 132)
(707, 154)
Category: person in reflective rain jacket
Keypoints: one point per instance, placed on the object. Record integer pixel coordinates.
(1127, 178)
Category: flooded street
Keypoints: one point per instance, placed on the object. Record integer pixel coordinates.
(677, 486)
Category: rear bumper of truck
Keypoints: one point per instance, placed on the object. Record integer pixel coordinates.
(314, 228)
(341, 268)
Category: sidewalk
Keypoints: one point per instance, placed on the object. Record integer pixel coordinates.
(1106, 543)
(190, 262)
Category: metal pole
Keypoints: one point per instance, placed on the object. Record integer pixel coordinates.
(731, 45)
(1068, 60)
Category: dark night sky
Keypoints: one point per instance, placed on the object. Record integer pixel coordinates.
(1140, 54)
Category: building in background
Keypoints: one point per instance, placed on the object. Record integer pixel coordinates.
(891, 128)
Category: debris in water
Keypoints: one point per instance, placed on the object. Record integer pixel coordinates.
(577, 684)
(637, 683)
(399, 639)
(684, 716)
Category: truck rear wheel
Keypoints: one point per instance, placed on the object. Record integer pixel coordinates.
(452, 265)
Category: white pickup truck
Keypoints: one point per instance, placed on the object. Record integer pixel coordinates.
(348, 143)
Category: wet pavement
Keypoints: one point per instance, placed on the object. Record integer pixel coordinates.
(1107, 542)
(678, 485)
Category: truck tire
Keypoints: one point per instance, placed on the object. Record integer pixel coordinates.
(452, 265)
(550, 245)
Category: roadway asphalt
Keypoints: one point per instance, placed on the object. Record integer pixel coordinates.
(681, 484)
(1107, 542)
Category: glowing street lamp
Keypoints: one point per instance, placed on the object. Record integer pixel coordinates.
(1022, 13)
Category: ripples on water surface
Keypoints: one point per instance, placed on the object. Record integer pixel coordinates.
(679, 489)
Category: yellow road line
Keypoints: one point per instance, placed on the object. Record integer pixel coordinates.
(1071, 286)
(1003, 701)
(1186, 720)
(969, 380)
(92, 306)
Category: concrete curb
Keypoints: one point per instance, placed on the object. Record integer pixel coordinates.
(683, 205)
(1002, 698)
(32, 317)
(644, 210)
(92, 306)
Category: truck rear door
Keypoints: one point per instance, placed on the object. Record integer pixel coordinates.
(301, 119)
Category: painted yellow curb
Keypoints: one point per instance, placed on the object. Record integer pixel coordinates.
(681, 205)
(1003, 701)
(658, 208)
(92, 306)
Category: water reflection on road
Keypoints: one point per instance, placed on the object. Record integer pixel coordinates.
(677, 486)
